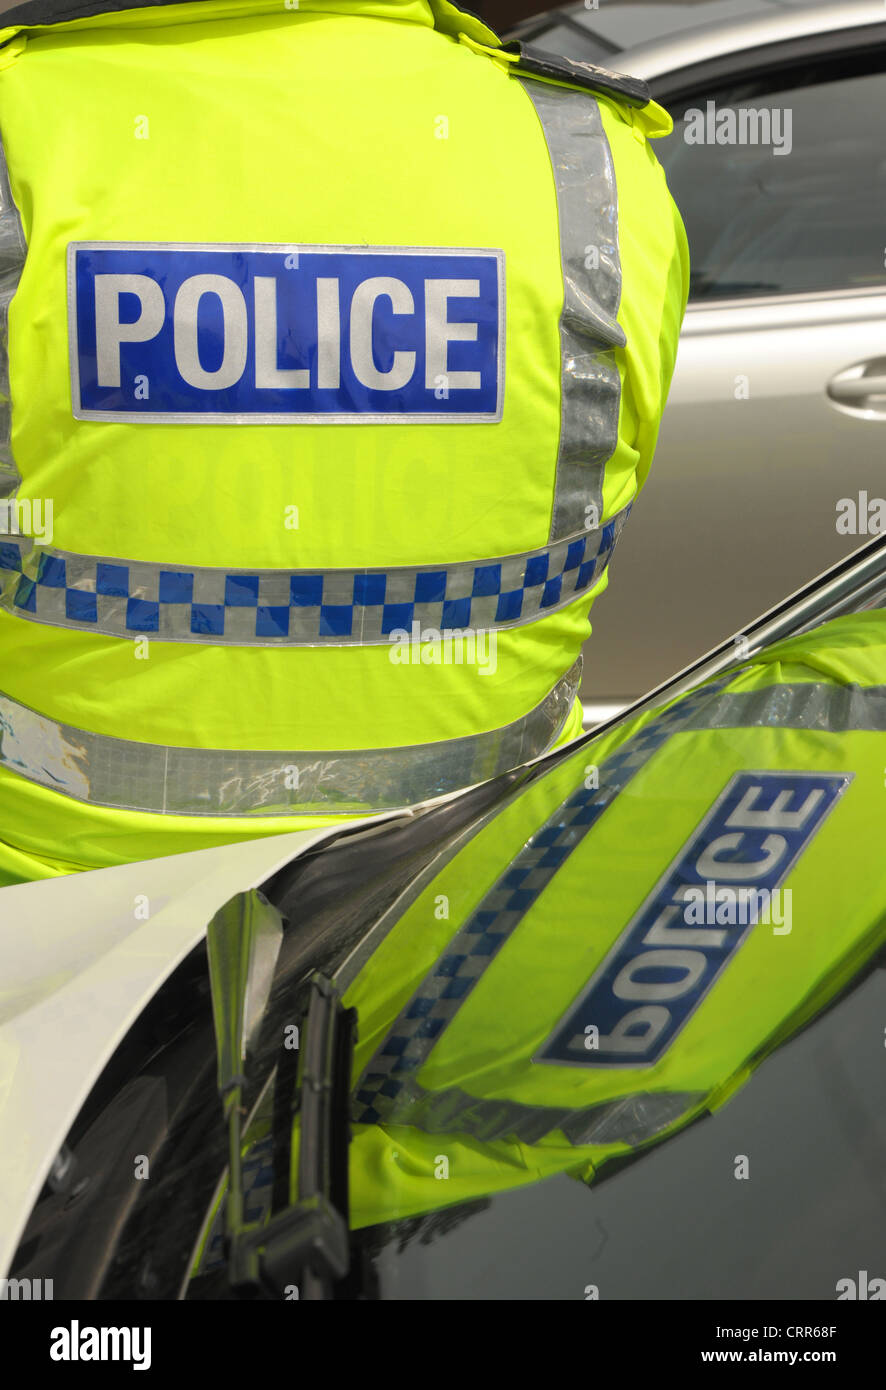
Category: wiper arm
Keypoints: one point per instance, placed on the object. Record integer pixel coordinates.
(243, 943)
(305, 1244)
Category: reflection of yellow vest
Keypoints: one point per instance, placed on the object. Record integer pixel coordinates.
(208, 632)
(591, 971)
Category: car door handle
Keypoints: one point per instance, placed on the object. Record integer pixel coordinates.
(857, 386)
(857, 390)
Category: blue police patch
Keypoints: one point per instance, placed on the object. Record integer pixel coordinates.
(724, 880)
(256, 333)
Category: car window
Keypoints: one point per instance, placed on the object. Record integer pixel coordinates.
(782, 189)
(629, 23)
(613, 25)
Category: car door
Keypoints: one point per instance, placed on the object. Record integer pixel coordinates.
(772, 452)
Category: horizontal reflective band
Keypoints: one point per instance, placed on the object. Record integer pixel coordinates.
(264, 608)
(631, 1119)
(587, 209)
(814, 705)
(388, 1092)
(130, 776)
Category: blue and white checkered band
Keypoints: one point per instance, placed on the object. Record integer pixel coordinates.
(333, 607)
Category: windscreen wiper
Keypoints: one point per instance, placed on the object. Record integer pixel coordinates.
(302, 1249)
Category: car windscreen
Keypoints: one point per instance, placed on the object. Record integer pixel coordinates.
(486, 1191)
(681, 1221)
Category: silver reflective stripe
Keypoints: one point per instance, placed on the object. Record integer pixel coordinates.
(815, 705)
(266, 608)
(131, 776)
(12, 259)
(587, 204)
(388, 1091)
(631, 1119)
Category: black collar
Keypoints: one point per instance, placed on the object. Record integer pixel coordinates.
(61, 11)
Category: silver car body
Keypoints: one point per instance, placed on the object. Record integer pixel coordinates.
(742, 500)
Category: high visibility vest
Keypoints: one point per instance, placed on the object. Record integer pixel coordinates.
(613, 953)
(333, 330)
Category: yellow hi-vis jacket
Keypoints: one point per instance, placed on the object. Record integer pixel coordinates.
(613, 953)
(331, 329)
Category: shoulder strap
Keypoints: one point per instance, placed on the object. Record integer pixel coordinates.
(534, 62)
(45, 12)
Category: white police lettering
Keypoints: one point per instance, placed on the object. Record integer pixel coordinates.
(776, 817)
(174, 332)
(328, 334)
(234, 337)
(362, 310)
(440, 333)
(662, 966)
(110, 332)
(717, 859)
(689, 963)
(267, 374)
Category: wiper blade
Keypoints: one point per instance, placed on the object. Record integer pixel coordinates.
(303, 1246)
(306, 1246)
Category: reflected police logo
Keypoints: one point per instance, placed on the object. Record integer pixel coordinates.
(180, 333)
(660, 969)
